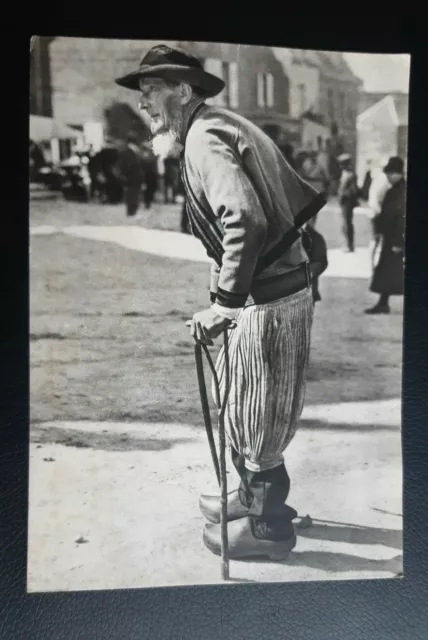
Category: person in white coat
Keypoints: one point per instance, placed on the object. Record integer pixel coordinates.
(377, 192)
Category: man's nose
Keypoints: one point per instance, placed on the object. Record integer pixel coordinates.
(143, 104)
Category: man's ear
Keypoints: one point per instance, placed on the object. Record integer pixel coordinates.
(185, 93)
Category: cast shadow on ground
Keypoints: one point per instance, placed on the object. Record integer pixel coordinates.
(334, 562)
(339, 562)
(353, 534)
(325, 425)
(101, 441)
(342, 562)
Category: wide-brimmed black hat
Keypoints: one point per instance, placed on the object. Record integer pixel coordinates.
(173, 64)
(394, 165)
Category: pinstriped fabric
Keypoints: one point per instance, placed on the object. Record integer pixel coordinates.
(269, 355)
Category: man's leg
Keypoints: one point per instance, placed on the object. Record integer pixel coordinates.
(351, 230)
(132, 199)
(269, 352)
(347, 226)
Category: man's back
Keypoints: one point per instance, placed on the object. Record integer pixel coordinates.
(218, 135)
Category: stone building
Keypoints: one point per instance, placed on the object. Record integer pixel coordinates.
(294, 95)
(382, 132)
(323, 90)
(83, 88)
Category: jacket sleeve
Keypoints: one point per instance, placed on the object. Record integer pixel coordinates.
(234, 202)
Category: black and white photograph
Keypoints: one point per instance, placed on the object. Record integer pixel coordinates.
(216, 251)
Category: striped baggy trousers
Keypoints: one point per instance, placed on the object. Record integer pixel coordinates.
(268, 356)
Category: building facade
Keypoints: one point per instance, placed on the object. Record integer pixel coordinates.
(256, 85)
(294, 95)
(339, 91)
(83, 72)
(382, 132)
(324, 92)
(369, 98)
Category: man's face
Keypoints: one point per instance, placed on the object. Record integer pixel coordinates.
(165, 107)
(162, 104)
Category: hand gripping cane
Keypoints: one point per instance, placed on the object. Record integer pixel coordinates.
(219, 467)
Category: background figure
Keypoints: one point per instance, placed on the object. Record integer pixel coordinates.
(37, 160)
(377, 192)
(316, 248)
(323, 162)
(104, 166)
(171, 179)
(288, 153)
(150, 165)
(388, 274)
(348, 199)
(367, 182)
(131, 169)
(333, 168)
(315, 172)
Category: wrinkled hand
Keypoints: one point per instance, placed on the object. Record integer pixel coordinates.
(207, 325)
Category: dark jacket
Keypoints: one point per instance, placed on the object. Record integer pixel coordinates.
(388, 275)
(348, 189)
(390, 221)
(131, 165)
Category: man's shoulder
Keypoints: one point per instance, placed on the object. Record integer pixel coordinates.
(212, 122)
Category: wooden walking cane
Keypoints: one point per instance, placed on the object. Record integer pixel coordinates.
(220, 467)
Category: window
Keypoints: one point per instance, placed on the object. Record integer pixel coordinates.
(227, 71)
(225, 76)
(342, 105)
(302, 98)
(260, 90)
(270, 90)
(215, 66)
(265, 90)
(330, 104)
(233, 83)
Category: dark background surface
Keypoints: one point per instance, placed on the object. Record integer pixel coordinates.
(369, 609)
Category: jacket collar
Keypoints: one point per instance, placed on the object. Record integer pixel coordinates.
(194, 107)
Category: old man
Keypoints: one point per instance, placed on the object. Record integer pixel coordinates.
(242, 199)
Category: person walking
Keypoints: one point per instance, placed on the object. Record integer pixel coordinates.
(242, 198)
(131, 171)
(348, 199)
(150, 168)
(376, 194)
(388, 273)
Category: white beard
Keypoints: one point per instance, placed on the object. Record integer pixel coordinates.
(166, 145)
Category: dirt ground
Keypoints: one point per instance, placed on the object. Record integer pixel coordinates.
(108, 343)
(109, 323)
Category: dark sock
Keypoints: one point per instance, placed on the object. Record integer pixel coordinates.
(272, 528)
